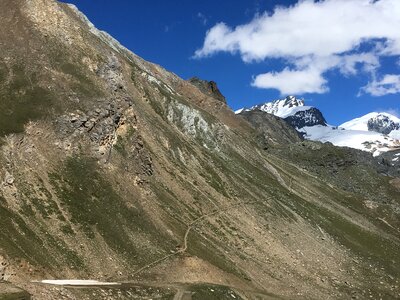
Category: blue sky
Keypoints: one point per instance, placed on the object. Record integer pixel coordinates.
(314, 62)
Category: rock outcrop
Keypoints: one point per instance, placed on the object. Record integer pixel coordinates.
(382, 124)
(209, 88)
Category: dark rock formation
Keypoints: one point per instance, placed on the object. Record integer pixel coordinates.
(382, 124)
(305, 118)
(209, 88)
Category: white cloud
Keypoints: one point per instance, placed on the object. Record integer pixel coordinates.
(389, 84)
(309, 28)
(348, 63)
(313, 36)
(291, 82)
(307, 75)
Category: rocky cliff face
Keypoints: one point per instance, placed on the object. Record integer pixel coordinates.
(114, 169)
(210, 88)
(382, 124)
(306, 118)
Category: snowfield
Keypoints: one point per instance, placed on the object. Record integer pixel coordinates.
(363, 140)
(362, 122)
(290, 111)
(395, 134)
(77, 282)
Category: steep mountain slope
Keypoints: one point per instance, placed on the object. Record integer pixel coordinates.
(114, 169)
(272, 130)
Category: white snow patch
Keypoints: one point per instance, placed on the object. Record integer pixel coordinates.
(290, 111)
(395, 134)
(358, 139)
(239, 111)
(77, 282)
(361, 123)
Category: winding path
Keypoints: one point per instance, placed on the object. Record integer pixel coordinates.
(186, 236)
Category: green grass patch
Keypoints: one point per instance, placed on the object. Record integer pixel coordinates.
(3, 72)
(95, 206)
(120, 147)
(17, 107)
(18, 239)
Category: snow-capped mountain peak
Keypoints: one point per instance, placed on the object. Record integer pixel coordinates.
(293, 110)
(291, 101)
(281, 107)
(376, 121)
(277, 105)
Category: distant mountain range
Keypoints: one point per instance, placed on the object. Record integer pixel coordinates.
(376, 132)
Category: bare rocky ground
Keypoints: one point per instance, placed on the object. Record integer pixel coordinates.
(116, 170)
